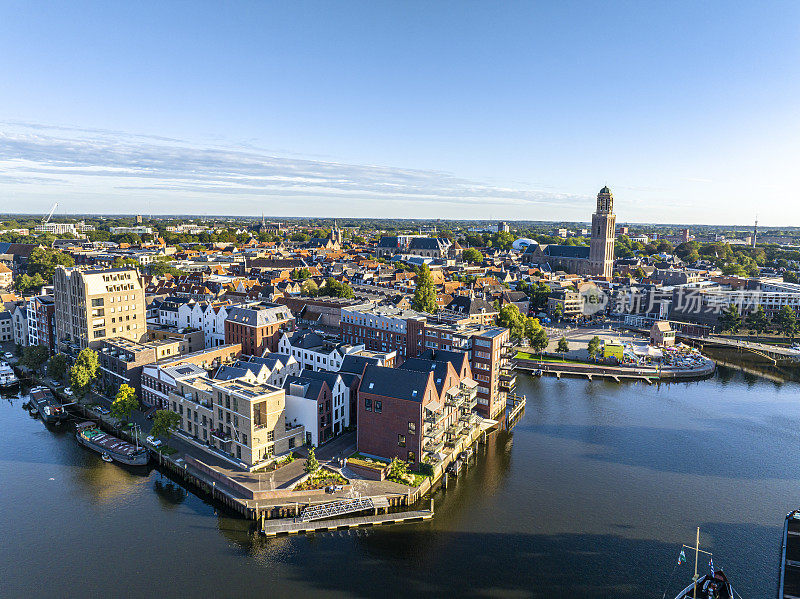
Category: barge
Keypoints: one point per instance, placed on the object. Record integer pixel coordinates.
(118, 450)
(47, 406)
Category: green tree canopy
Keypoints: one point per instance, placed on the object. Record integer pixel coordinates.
(57, 367)
(594, 346)
(786, 321)
(425, 292)
(125, 402)
(758, 321)
(472, 256)
(312, 465)
(164, 422)
(563, 346)
(730, 319)
(43, 261)
(83, 371)
(26, 284)
(34, 356)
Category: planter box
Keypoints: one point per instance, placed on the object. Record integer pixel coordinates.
(368, 472)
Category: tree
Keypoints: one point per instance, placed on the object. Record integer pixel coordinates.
(758, 321)
(309, 287)
(125, 263)
(300, 274)
(472, 256)
(563, 346)
(335, 288)
(786, 321)
(164, 422)
(25, 284)
(312, 465)
(125, 402)
(511, 318)
(34, 356)
(83, 372)
(425, 292)
(730, 319)
(57, 367)
(540, 340)
(558, 312)
(790, 277)
(43, 261)
(594, 346)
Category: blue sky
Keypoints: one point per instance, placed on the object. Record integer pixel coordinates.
(520, 110)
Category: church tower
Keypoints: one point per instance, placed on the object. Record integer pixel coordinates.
(601, 249)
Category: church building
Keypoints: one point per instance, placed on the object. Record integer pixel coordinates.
(596, 260)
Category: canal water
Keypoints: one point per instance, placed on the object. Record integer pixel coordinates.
(591, 496)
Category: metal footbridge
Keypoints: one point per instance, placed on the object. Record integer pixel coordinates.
(334, 509)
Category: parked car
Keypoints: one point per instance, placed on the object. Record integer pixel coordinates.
(153, 441)
(68, 391)
(102, 410)
(8, 355)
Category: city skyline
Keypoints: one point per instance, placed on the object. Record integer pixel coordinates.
(512, 112)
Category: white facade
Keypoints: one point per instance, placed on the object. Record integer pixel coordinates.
(300, 410)
(208, 318)
(20, 324)
(318, 358)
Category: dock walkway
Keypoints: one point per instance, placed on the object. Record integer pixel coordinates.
(273, 528)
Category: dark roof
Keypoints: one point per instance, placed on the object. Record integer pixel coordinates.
(321, 375)
(605, 189)
(456, 358)
(227, 373)
(388, 242)
(17, 249)
(469, 305)
(567, 251)
(355, 364)
(305, 340)
(392, 382)
(312, 388)
(425, 243)
(439, 370)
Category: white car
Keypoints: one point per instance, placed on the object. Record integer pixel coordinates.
(68, 391)
(153, 441)
(8, 355)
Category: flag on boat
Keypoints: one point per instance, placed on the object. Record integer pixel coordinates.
(681, 558)
(711, 565)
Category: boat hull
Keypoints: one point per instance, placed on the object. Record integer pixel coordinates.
(136, 459)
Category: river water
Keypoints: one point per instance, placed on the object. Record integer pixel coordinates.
(590, 496)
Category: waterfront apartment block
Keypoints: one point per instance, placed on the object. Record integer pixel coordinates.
(410, 333)
(93, 305)
(415, 411)
(258, 327)
(235, 418)
(41, 322)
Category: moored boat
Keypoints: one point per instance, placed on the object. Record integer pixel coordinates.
(47, 406)
(789, 582)
(121, 451)
(714, 585)
(7, 376)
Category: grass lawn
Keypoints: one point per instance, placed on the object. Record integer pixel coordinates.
(167, 450)
(523, 355)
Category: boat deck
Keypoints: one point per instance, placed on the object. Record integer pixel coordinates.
(109, 443)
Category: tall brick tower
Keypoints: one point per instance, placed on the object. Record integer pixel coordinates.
(601, 249)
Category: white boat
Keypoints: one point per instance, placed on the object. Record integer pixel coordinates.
(7, 376)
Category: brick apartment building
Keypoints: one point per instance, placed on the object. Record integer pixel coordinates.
(410, 333)
(258, 327)
(121, 361)
(414, 411)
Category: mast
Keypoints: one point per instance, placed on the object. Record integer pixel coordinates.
(696, 553)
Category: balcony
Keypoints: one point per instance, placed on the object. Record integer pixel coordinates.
(434, 446)
(508, 382)
(433, 431)
(434, 418)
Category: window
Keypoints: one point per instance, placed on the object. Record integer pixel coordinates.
(378, 407)
(401, 440)
(412, 457)
(412, 428)
(368, 405)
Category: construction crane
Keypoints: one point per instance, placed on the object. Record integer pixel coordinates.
(47, 218)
